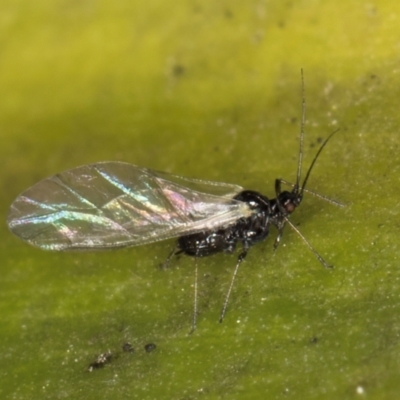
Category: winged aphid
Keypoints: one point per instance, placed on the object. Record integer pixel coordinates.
(114, 204)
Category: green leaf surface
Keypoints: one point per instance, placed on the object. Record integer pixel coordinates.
(209, 90)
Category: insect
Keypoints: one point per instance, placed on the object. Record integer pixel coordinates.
(114, 204)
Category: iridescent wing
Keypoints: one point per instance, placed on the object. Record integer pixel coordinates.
(115, 204)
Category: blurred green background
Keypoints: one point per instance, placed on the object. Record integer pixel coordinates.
(210, 90)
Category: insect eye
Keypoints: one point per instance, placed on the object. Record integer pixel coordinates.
(289, 206)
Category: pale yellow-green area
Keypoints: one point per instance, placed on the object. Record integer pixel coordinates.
(210, 90)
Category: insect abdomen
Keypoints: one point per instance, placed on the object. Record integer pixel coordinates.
(248, 230)
(206, 243)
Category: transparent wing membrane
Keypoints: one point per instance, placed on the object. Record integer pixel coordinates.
(115, 204)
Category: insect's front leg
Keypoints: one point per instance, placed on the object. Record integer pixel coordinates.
(280, 227)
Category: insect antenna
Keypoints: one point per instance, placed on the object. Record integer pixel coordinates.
(296, 187)
(299, 190)
(303, 121)
(312, 166)
(320, 196)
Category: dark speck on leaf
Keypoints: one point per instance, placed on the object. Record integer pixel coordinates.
(178, 70)
(150, 347)
(228, 14)
(127, 348)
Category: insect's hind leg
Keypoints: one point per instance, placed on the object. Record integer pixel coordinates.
(175, 251)
(195, 301)
(240, 259)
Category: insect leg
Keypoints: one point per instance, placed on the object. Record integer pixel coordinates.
(280, 226)
(241, 257)
(319, 258)
(194, 322)
(174, 251)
